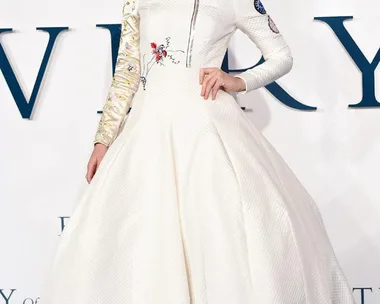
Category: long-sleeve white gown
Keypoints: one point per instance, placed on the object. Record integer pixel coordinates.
(191, 204)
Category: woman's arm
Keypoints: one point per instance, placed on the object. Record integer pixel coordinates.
(126, 78)
(252, 19)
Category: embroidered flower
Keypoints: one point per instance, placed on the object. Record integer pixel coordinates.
(158, 51)
(160, 54)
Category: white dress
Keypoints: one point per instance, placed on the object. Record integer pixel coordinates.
(191, 204)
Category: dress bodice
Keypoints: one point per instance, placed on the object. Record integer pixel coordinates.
(193, 33)
(188, 33)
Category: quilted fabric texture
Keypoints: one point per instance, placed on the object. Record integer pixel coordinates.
(191, 204)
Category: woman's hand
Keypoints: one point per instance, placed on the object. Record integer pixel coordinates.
(213, 79)
(95, 159)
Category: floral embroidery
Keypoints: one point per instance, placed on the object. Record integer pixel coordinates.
(260, 7)
(158, 51)
(272, 25)
(160, 54)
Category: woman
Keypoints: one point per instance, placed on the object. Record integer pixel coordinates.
(190, 204)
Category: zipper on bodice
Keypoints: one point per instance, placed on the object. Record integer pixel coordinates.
(191, 33)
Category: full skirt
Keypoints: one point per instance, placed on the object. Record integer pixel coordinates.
(192, 205)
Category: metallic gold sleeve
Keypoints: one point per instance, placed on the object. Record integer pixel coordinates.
(126, 78)
(253, 20)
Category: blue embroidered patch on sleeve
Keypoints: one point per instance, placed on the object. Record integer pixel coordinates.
(260, 7)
